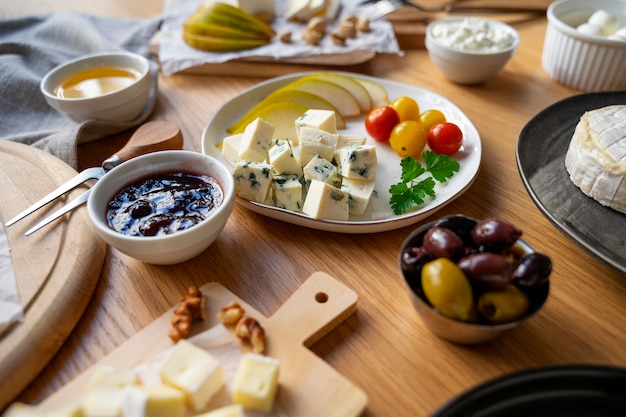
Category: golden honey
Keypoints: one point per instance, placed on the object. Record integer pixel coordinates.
(95, 82)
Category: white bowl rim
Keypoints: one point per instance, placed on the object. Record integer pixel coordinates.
(100, 222)
(491, 22)
(143, 73)
(559, 24)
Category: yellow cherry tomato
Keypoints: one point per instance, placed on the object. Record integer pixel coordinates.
(431, 117)
(408, 138)
(407, 108)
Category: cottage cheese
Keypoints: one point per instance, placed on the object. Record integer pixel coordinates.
(473, 35)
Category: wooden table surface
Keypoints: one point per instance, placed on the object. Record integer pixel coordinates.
(384, 348)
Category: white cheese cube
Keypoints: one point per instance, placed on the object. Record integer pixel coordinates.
(110, 377)
(332, 10)
(316, 141)
(347, 140)
(153, 401)
(256, 382)
(256, 140)
(104, 402)
(283, 158)
(323, 201)
(287, 192)
(322, 170)
(195, 372)
(230, 148)
(234, 410)
(357, 161)
(253, 180)
(318, 119)
(359, 193)
(20, 409)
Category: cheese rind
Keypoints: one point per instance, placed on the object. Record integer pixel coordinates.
(256, 382)
(323, 201)
(195, 372)
(596, 156)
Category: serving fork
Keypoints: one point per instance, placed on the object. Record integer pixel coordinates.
(149, 137)
(376, 9)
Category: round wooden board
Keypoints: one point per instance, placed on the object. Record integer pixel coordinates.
(56, 268)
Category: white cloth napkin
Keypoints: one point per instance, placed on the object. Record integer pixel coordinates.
(175, 55)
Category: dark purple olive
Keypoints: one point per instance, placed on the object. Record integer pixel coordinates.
(413, 259)
(489, 270)
(461, 225)
(532, 270)
(440, 242)
(495, 235)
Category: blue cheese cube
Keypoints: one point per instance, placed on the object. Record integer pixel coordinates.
(287, 190)
(283, 158)
(322, 170)
(357, 161)
(256, 141)
(230, 148)
(316, 141)
(253, 180)
(318, 119)
(323, 201)
(359, 193)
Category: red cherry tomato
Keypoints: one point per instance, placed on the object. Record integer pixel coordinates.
(445, 138)
(380, 121)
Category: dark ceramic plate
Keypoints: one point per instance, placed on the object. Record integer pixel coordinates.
(541, 150)
(572, 391)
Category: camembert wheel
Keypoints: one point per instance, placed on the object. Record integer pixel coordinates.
(596, 157)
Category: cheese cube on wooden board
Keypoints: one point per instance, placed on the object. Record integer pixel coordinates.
(253, 180)
(234, 410)
(104, 402)
(357, 161)
(323, 201)
(256, 382)
(110, 377)
(153, 401)
(256, 141)
(195, 372)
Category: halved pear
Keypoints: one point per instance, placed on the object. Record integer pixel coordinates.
(282, 116)
(355, 88)
(220, 31)
(303, 98)
(220, 44)
(228, 15)
(377, 93)
(335, 94)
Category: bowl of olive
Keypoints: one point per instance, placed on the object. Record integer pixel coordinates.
(473, 280)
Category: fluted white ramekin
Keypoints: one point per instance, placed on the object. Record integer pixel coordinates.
(578, 60)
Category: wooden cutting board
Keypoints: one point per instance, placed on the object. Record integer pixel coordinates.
(308, 385)
(56, 269)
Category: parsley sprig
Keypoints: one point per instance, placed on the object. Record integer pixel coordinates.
(414, 187)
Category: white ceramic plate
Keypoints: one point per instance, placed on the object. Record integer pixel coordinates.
(378, 217)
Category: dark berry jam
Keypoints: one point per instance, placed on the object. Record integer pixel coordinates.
(163, 204)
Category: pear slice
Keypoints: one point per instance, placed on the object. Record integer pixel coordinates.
(335, 94)
(282, 115)
(303, 98)
(355, 88)
(219, 44)
(377, 93)
(220, 31)
(228, 15)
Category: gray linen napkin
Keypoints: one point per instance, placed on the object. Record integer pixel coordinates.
(31, 46)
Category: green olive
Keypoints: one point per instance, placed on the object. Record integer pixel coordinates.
(503, 306)
(447, 289)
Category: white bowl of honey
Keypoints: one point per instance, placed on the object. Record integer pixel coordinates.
(111, 87)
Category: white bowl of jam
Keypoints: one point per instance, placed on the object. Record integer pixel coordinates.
(163, 208)
(112, 87)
